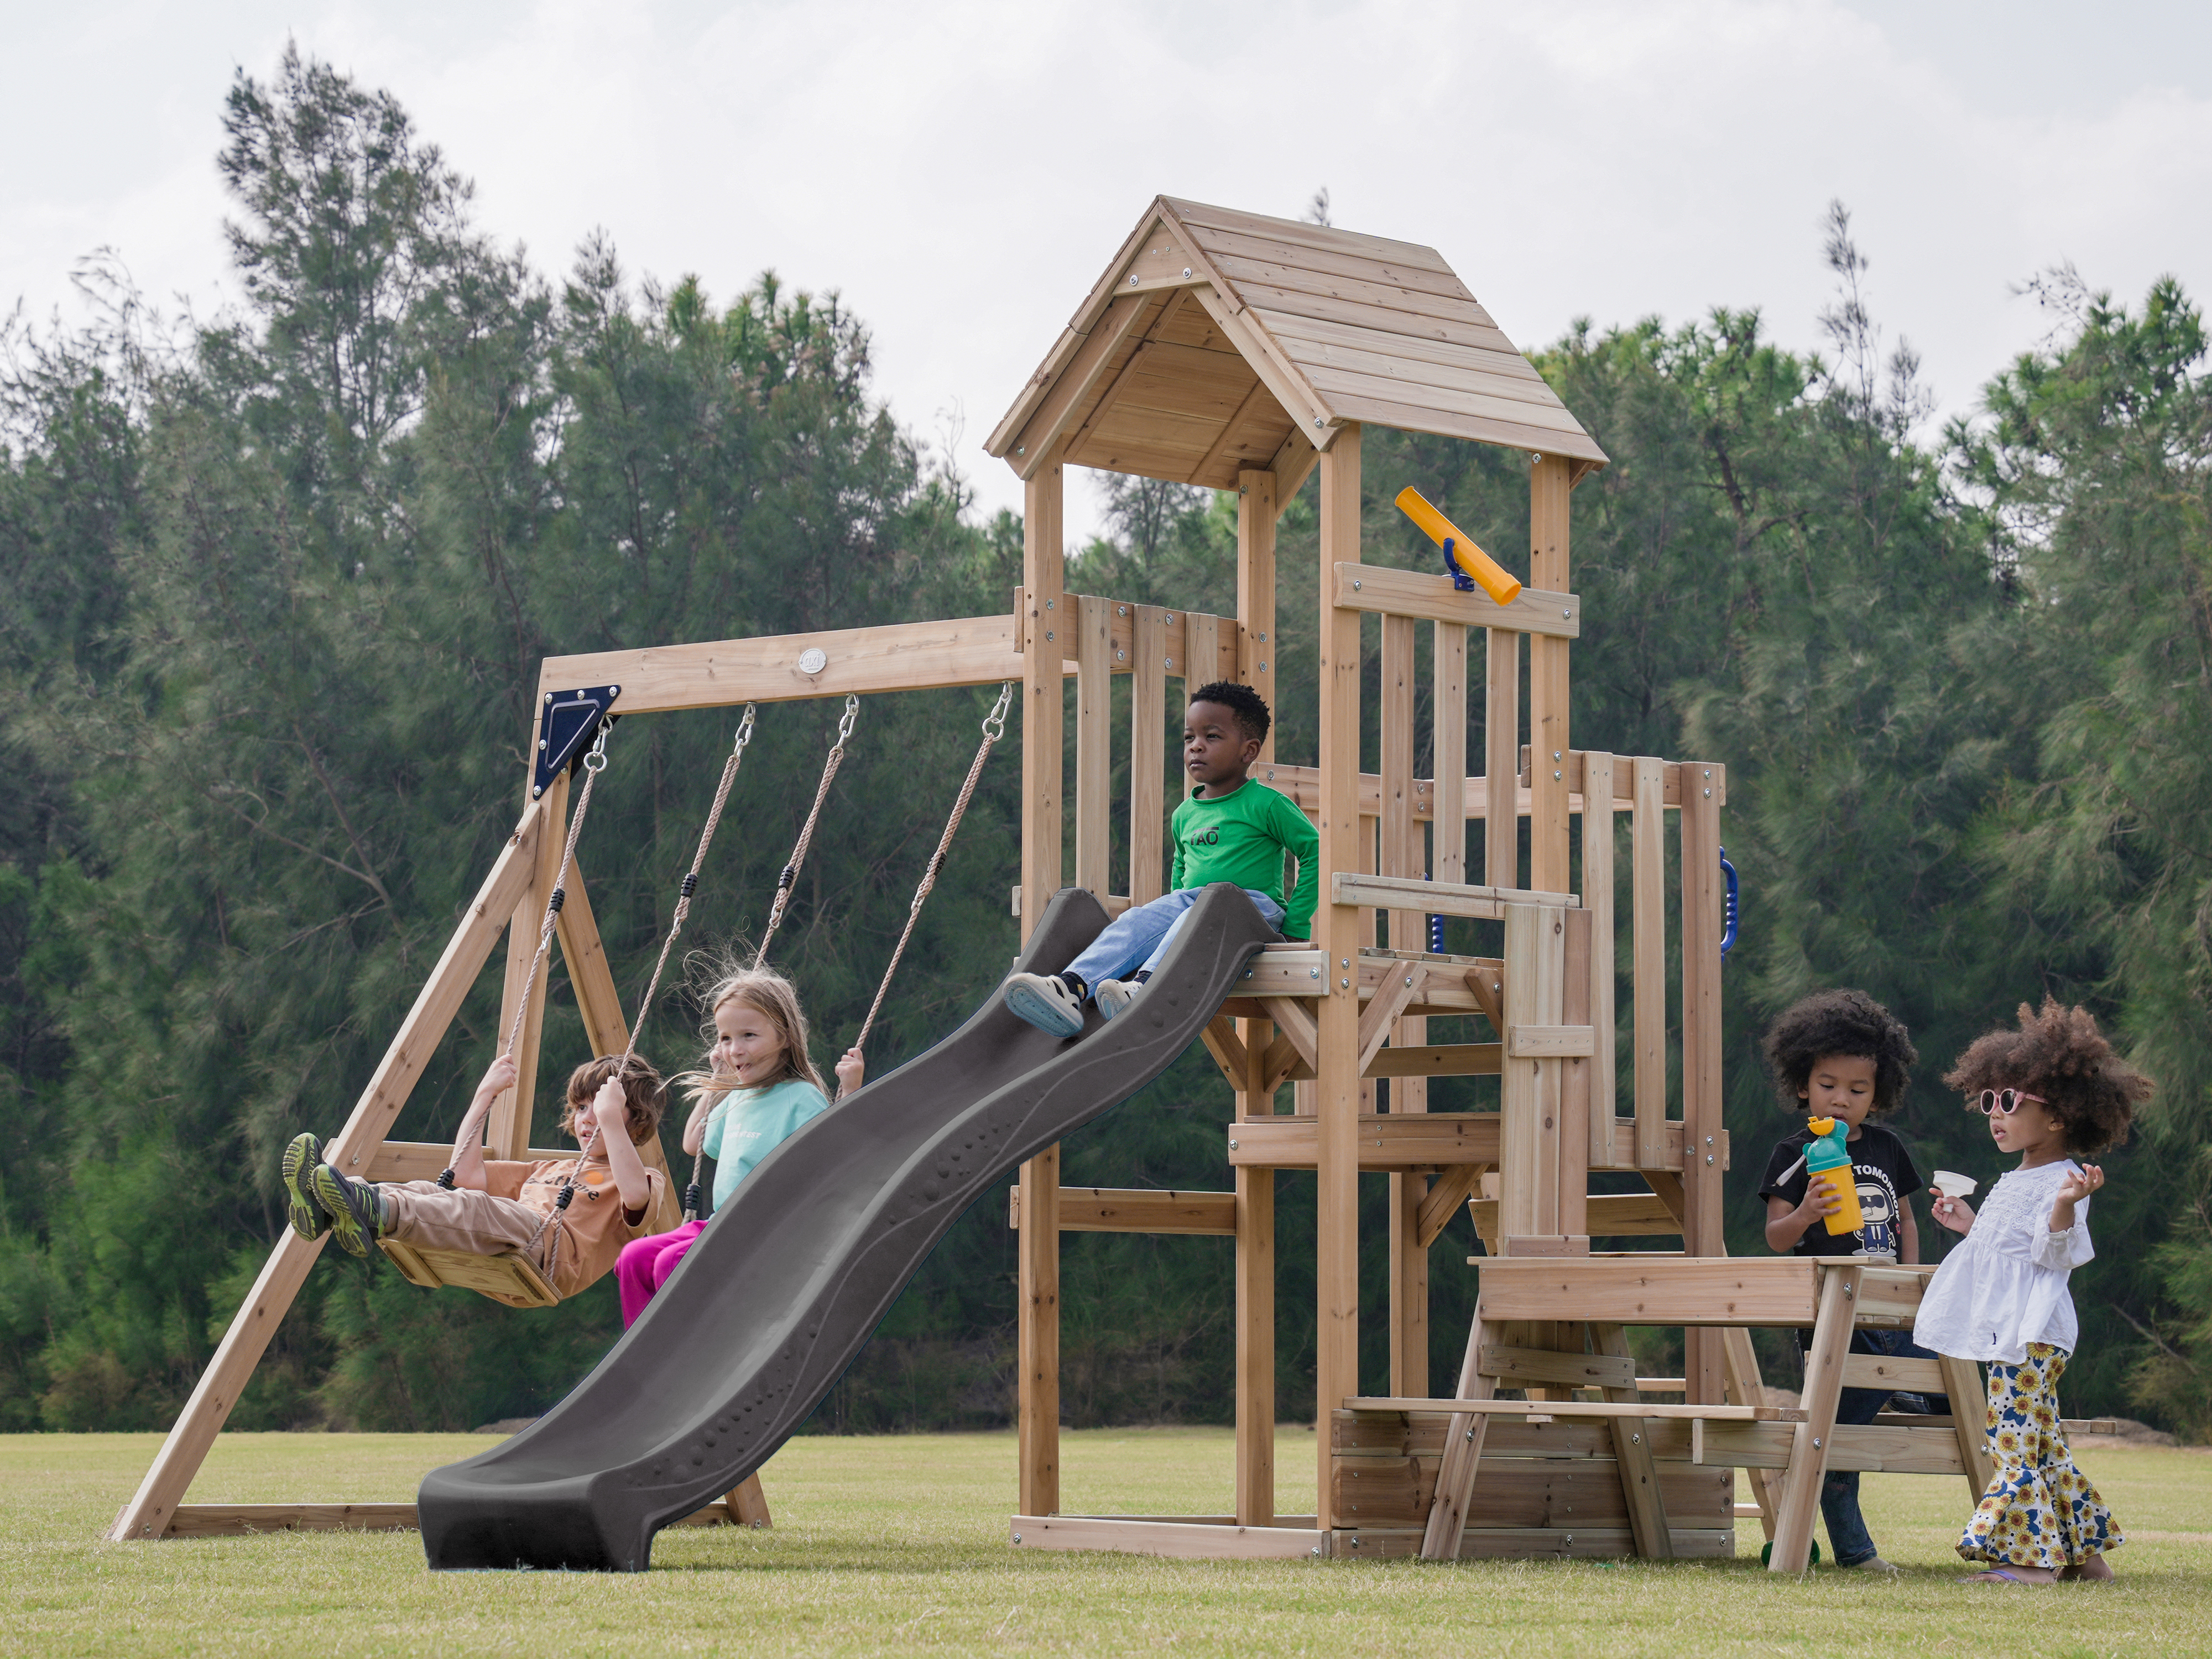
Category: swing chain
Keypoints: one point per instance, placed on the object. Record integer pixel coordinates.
(790, 875)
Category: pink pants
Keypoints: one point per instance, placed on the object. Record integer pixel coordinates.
(645, 1264)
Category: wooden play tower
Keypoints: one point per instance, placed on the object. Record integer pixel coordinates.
(1225, 349)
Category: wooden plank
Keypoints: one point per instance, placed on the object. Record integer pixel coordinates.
(1192, 1540)
(1501, 726)
(1337, 1127)
(426, 1160)
(1148, 753)
(1257, 511)
(1528, 1164)
(1812, 1443)
(1609, 1215)
(1640, 1487)
(1446, 898)
(1875, 1371)
(1200, 221)
(722, 673)
(1514, 402)
(1432, 597)
(245, 1520)
(1397, 1493)
(1423, 1434)
(1293, 464)
(1415, 416)
(1136, 1210)
(1464, 1435)
(1307, 412)
(1094, 741)
(1962, 1381)
(1228, 1050)
(1381, 1013)
(1257, 401)
(1550, 1042)
(1746, 1388)
(1037, 1252)
(1517, 1367)
(1597, 895)
(1075, 383)
(1890, 1296)
(1448, 796)
(1648, 943)
(1297, 1024)
(1302, 783)
(507, 1128)
(1315, 271)
(1255, 1347)
(1702, 1068)
(1404, 356)
(1428, 1140)
(1663, 1289)
(1574, 1081)
(152, 1508)
(1445, 1196)
(1595, 1408)
(748, 1504)
(1548, 699)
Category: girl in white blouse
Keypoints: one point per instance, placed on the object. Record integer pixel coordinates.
(2052, 1089)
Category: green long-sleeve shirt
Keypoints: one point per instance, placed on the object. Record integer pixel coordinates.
(1241, 837)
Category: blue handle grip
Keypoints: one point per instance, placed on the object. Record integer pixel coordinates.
(1732, 912)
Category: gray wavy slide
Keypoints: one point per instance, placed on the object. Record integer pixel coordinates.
(790, 1279)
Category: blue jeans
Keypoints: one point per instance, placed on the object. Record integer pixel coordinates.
(1839, 1491)
(1140, 935)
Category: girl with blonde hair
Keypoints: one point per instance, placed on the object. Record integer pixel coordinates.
(756, 1085)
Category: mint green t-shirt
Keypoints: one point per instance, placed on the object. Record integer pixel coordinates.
(746, 1125)
(1241, 837)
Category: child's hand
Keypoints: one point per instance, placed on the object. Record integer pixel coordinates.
(499, 1077)
(1952, 1212)
(1819, 1202)
(850, 1068)
(610, 1111)
(2076, 1187)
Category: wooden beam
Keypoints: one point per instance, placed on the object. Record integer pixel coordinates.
(507, 1129)
(1549, 851)
(1443, 898)
(1292, 464)
(1575, 1080)
(1426, 1141)
(1051, 420)
(1589, 1408)
(1597, 894)
(1462, 1459)
(723, 673)
(1255, 1347)
(152, 1508)
(1256, 397)
(1648, 946)
(1227, 1048)
(1653, 1290)
(1094, 740)
(1445, 1195)
(1381, 1013)
(1746, 1388)
(1501, 742)
(1298, 1026)
(1631, 1449)
(1257, 642)
(1337, 931)
(1136, 1210)
(1402, 853)
(1813, 1441)
(1703, 1079)
(1520, 1368)
(1527, 1169)
(1433, 598)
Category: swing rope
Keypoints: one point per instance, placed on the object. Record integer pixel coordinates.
(994, 727)
(806, 833)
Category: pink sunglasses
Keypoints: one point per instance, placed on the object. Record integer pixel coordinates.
(2007, 1101)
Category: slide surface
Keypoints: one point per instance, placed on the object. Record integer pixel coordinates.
(790, 1279)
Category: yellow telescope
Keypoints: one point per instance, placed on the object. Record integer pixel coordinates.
(1464, 558)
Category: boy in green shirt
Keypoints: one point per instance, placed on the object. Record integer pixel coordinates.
(1230, 829)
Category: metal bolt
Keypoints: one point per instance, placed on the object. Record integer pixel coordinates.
(1470, 1434)
(1185, 271)
(1635, 1439)
(1170, 662)
(1020, 449)
(1120, 655)
(1317, 420)
(1047, 632)
(1017, 1537)
(1708, 771)
(1120, 609)
(1708, 1158)
(1708, 794)
(1355, 1540)
(1816, 1443)
(1355, 585)
(1569, 615)
(614, 690)
(1313, 973)
(1346, 983)
(1409, 980)
(1170, 618)
(549, 696)
(1133, 282)
(1263, 668)
(1556, 777)
(1263, 639)
(1232, 1145)
(1344, 962)
(541, 743)
(1316, 1549)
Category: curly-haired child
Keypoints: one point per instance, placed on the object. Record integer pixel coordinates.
(2053, 1090)
(1842, 1054)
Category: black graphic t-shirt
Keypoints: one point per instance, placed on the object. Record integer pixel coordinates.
(1887, 1177)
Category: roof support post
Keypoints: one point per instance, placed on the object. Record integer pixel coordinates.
(1337, 930)
(1044, 639)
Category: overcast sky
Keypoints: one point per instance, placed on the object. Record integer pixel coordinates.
(963, 172)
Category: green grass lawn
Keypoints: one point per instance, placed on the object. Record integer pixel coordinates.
(899, 1546)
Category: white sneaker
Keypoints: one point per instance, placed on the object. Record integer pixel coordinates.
(1873, 1564)
(1113, 995)
(1045, 1002)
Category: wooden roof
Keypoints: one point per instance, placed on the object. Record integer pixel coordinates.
(1217, 341)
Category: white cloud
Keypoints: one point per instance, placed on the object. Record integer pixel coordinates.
(963, 172)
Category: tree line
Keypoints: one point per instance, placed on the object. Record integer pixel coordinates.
(279, 583)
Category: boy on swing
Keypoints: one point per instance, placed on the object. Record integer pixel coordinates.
(1230, 828)
(493, 1206)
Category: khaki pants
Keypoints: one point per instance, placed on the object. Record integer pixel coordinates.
(426, 1214)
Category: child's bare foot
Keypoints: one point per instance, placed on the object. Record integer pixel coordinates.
(2011, 1575)
(2092, 1568)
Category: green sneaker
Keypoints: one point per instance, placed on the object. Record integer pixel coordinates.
(300, 1206)
(355, 1211)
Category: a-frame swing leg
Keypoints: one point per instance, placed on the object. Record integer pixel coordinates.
(506, 1132)
(153, 1507)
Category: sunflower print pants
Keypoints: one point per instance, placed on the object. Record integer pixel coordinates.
(2039, 1511)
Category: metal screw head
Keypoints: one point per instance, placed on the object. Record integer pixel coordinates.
(1120, 609)
(1344, 962)
(1232, 1145)
(1557, 776)
(1133, 282)
(1816, 1443)
(549, 696)
(1047, 632)
(1017, 1537)
(1119, 656)
(1316, 1549)
(1263, 639)
(1185, 271)
(614, 690)
(1635, 1439)
(1346, 983)
(1170, 662)
(1555, 754)
(1317, 420)
(1566, 614)
(1708, 794)
(1409, 980)
(1048, 604)
(1313, 973)
(1020, 449)
(1263, 668)
(1355, 584)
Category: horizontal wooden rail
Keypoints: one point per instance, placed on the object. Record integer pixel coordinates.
(1552, 1041)
(1137, 1210)
(1441, 898)
(1433, 598)
(1698, 774)
(1576, 1408)
(426, 1160)
(1181, 636)
(1868, 1371)
(1303, 785)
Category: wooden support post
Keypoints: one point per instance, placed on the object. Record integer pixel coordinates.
(1337, 931)
(1501, 746)
(1705, 1370)
(1148, 752)
(1401, 855)
(153, 1507)
(1449, 1509)
(1548, 744)
(1811, 1441)
(748, 1504)
(1037, 1250)
(1576, 1083)
(1528, 1136)
(1962, 1381)
(1448, 766)
(1745, 1389)
(1597, 897)
(1256, 639)
(1256, 652)
(1092, 619)
(1647, 859)
(507, 1129)
(1631, 1451)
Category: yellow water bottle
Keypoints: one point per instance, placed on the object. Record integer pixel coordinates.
(1826, 1160)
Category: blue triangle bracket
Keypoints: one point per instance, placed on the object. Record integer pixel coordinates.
(566, 723)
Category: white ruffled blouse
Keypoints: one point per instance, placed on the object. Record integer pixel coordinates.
(2004, 1285)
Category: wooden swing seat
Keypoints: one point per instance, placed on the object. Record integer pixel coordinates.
(511, 1278)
